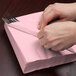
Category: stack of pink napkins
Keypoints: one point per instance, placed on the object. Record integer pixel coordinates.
(30, 54)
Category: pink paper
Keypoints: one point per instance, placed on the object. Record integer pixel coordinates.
(30, 54)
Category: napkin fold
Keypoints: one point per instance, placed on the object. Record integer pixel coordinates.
(30, 54)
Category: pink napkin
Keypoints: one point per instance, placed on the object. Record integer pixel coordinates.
(30, 54)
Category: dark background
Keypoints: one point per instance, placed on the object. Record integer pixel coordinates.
(9, 65)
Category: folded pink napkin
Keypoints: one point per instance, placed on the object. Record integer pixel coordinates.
(30, 54)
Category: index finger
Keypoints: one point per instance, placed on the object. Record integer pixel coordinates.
(43, 22)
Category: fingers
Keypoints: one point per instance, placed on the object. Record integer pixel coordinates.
(51, 43)
(48, 15)
(43, 41)
(42, 37)
(58, 36)
(48, 45)
(54, 46)
(47, 10)
(40, 34)
(42, 22)
(57, 45)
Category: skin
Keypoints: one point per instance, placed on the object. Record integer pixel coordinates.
(60, 34)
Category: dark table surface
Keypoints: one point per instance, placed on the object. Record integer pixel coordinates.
(9, 65)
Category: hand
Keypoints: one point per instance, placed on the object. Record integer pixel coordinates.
(65, 12)
(58, 36)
